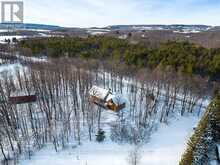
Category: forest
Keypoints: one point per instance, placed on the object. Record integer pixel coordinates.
(181, 57)
(63, 116)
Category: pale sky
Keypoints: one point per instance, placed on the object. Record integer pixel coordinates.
(89, 13)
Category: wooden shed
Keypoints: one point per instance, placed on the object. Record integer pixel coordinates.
(106, 99)
(22, 99)
(19, 97)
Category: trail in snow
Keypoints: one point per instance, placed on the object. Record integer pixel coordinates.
(169, 142)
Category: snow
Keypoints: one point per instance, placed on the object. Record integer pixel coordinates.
(10, 68)
(169, 142)
(88, 153)
(146, 28)
(20, 37)
(123, 36)
(23, 58)
(3, 30)
(165, 147)
(97, 31)
(94, 31)
(98, 92)
(102, 93)
(218, 146)
(33, 59)
(118, 99)
(3, 38)
(185, 31)
(45, 35)
(214, 162)
(18, 93)
(38, 30)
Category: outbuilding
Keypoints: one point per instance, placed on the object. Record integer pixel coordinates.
(19, 97)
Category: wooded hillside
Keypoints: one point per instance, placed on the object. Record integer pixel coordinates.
(179, 56)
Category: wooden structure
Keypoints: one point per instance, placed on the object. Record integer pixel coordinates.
(105, 99)
(22, 99)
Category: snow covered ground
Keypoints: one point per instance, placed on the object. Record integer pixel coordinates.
(32, 59)
(169, 142)
(165, 148)
(10, 68)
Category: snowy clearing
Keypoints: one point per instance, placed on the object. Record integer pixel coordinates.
(165, 147)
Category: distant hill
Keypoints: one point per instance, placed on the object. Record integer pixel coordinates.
(153, 35)
(175, 27)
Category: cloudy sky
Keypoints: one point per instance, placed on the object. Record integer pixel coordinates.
(88, 13)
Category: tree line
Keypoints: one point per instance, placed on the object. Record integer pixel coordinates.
(201, 147)
(184, 57)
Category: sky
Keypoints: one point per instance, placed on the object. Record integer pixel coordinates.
(100, 13)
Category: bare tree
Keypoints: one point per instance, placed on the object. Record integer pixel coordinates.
(134, 156)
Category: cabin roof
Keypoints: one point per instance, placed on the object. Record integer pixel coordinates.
(101, 93)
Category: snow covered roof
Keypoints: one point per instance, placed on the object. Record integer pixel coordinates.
(21, 93)
(117, 99)
(102, 93)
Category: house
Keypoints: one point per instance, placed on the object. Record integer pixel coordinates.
(106, 99)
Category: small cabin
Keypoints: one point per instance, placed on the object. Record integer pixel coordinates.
(106, 99)
(22, 98)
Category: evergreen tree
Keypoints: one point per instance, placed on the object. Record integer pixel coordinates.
(100, 137)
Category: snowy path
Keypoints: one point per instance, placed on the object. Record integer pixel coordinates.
(165, 147)
(169, 142)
